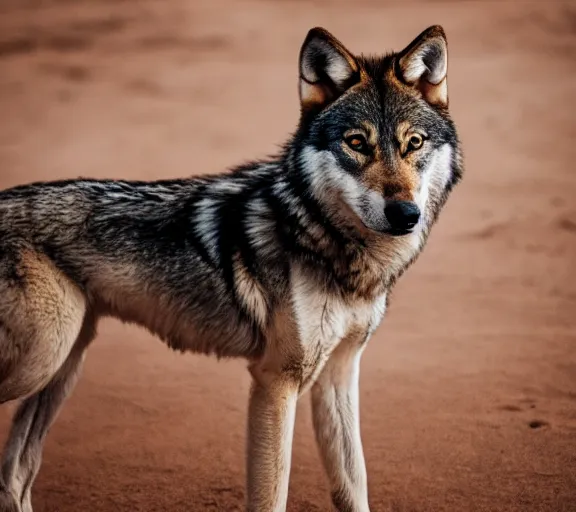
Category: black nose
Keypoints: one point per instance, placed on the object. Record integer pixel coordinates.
(402, 215)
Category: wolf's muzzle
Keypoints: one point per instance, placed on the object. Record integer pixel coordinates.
(402, 216)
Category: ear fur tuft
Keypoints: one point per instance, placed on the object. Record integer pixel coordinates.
(423, 64)
(327, 69)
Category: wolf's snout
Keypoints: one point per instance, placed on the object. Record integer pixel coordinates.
(402, 215)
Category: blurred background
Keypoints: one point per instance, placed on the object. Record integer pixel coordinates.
(468, 389)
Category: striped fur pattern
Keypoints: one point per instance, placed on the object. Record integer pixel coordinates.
(286, 262)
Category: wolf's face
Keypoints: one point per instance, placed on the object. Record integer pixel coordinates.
(375, 132)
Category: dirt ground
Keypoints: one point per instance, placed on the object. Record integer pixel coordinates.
(468, 390)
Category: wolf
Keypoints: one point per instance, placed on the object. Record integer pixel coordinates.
(287, 262)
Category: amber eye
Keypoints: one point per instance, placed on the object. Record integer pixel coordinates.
(357, 142)
(415, 142)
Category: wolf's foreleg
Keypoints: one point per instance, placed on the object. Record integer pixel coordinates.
(270, 428)
(335, 411)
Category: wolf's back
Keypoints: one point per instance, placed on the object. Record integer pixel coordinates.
(41, 210)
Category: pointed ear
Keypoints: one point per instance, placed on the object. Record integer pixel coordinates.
(424, 65)
(327, 70)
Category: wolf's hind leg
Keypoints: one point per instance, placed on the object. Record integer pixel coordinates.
(41, 314)
(23, 451)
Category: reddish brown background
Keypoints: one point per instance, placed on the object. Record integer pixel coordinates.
(469, 387)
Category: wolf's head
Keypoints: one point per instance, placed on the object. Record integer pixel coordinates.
(375, 136)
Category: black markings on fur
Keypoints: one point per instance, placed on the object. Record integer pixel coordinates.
(341, 501)
(10, 262)
(179, 228)
(300, 186)
(233, 243)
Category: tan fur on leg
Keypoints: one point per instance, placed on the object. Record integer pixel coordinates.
(337, 427)
(23, 451)
(270, 428)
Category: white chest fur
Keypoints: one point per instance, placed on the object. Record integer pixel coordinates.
(324, 320)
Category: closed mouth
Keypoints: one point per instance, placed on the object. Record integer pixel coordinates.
(400, 232)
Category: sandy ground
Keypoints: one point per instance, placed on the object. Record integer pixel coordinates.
(469, 387)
